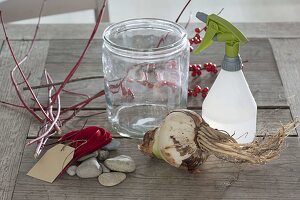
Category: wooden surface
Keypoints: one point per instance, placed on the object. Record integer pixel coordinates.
(276, 93)
(288, 64)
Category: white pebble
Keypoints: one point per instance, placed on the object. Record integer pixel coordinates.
(72, 170)
(89, 168)
(120, 163)
(111, 179)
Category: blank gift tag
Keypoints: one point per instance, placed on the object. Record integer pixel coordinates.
(52, 163)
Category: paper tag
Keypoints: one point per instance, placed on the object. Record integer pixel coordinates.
(52, 163)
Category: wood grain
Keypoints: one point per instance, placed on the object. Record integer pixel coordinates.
(15, 123)
(268, 121)
(83, 31)
(261, 71)
(154, 179)
(288, 60)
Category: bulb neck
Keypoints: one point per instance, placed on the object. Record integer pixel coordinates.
(232, 64)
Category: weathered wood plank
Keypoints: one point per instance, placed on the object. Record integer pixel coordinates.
(83, 31)
(286, 52)
(15, 123)
(261, 71)
(154, 179)
(267, 120)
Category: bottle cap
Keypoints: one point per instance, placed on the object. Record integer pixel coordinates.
(232, 64)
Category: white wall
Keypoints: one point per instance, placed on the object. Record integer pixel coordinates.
(234, 10)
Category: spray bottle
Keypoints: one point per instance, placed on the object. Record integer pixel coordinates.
(229, 105)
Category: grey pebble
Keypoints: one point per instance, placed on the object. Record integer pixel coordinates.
(89, 168)
(111, 179)
(104, 168)
(113, 145)
(120, 163)
(72, 170)
(91, 155)
(103, 155)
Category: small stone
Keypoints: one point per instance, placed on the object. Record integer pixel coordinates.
(103, 155)
(113, 145)
(120, 163)
(91, 155)
(111, 179)
(89, 168)
(104, 168)
(72, 170)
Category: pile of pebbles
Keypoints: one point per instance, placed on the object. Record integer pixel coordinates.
(110, 171)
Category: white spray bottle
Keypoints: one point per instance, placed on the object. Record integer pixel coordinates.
(229, 105)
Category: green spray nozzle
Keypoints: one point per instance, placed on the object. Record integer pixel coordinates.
(219, 29)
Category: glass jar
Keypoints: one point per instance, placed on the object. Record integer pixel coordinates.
(145, 65)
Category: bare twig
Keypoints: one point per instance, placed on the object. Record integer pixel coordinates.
(60, 82)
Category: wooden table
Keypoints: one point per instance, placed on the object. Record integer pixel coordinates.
(272, 72)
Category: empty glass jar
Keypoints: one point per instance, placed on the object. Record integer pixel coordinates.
(145, 64)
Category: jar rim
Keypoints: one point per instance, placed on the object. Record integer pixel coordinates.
(177, 43)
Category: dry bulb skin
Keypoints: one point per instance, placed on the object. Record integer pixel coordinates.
(184, 139)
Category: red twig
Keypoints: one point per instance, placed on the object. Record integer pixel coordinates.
(69, 76)
(183, 10)
(75, 93)
(11, 104)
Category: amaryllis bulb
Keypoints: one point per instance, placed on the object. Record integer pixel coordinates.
(184, 139)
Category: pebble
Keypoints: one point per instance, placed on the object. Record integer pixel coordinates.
(113, 145)
(89, 168)
(111, 179)
(91, 155)
(120, 163)
(72, 170)
(103, 155)
(104, 168)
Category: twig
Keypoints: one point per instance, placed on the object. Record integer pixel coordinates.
(60, 82)
(183, 10)
(69, 76)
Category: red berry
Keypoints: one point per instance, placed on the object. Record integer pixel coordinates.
(199, 72)
(191, 41)
(190, 92)
(197, 30)
(215, 71)
(205, 65)
(199, 66)
(194, 67)
(197, 88)
(205, 90)
(190, 68)
(197, 36)
(197, 41)
(195, 94)
(203, 95)
(205, 28)
(208, 68)
(200, 39)
(194, 73)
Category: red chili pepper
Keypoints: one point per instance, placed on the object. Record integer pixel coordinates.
(85, 141)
